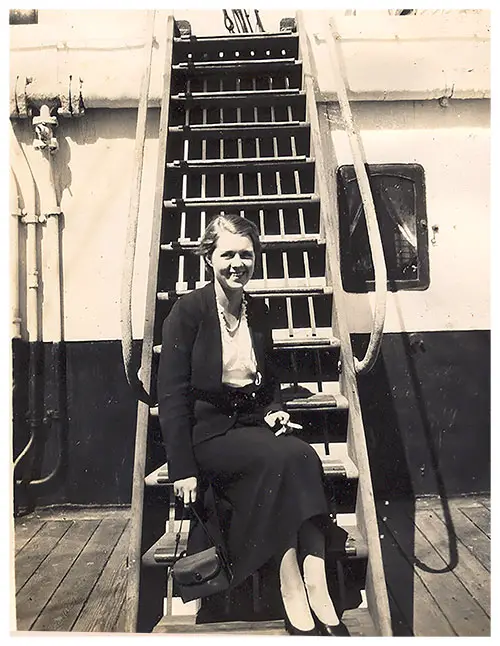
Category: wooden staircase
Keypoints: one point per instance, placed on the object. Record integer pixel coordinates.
(240, 132)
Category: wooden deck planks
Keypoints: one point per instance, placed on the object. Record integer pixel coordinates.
(34, 595)
(467, 532)
(417, 606)
(66, 603)
(102, 611)
(37, 549)
(463, 612)
(480, 517)
(86, 593)
(25, 531)
(468, 569)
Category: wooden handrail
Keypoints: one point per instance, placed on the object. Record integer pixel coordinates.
(325, 178)
(366, 364)
(134, 555)
(133, 219)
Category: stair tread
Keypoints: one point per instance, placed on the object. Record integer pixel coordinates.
(290, 161)
(263, 36)
(304, 338)
(270, 240)
(301, 338)
(226, 94)
(240, 127)
(250, 202)
(161, 553)
(305, 396)
(235, 62)
(242, 199)
(358, 622)
(319, 401)
(337, 462)
(264, 289)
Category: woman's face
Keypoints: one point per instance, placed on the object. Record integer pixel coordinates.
(233, 261)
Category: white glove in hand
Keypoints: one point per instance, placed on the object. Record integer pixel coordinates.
(280, 416)
(186, 489)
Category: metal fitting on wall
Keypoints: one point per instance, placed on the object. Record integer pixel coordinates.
(29, 94)
(44, 125)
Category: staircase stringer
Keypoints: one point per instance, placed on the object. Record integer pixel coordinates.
(325, 182)
(143, 412)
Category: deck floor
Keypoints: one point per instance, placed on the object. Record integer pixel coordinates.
(70, 567)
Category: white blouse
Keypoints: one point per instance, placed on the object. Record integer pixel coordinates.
(239, 365)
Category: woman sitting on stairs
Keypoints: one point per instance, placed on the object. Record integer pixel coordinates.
(220, 413)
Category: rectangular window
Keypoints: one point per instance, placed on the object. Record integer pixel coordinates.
(399, 197)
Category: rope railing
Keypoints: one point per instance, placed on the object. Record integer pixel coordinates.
(241, 22)
(366, 364)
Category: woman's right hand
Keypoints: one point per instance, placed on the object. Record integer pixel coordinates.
(186, 489)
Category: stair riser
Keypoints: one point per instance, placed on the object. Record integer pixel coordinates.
(295, 101)
(253, 181)
(235, 48)
(250, 132)
(285, 217)
(235, 75)
(186, 268)
(243, 110)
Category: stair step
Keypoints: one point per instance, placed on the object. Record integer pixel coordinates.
(186, 624)
(336, 463)
(287, 200)
(262, 288)
(277, 241)
(358, 622)
(204, 43)
(303, 397)
(315, 401)
(246, 129)
(226, 99)
(237, 64)
(297, 398)
(243, 165)
(162, 552)
(302, 339)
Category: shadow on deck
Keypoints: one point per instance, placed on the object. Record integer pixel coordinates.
(70, 567)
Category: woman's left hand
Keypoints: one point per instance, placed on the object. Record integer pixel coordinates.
(280, 416)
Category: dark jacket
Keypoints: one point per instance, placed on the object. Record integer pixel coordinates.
(192, 401)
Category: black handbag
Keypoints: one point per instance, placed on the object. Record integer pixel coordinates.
(204, 573)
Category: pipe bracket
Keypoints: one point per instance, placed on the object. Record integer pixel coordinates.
(27, 97)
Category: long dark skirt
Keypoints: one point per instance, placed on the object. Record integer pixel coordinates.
(270, 484)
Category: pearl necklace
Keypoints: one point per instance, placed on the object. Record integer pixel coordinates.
(242, 315)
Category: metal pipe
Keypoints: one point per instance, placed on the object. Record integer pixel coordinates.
(50, 218)
(25, 180)
(15, 211)
(24, 174)
(52, 279)
(47, 144)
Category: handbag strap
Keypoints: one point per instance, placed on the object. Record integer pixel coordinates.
(220, 548)
(205, 528)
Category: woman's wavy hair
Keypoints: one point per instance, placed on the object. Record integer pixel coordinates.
(228, 222)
